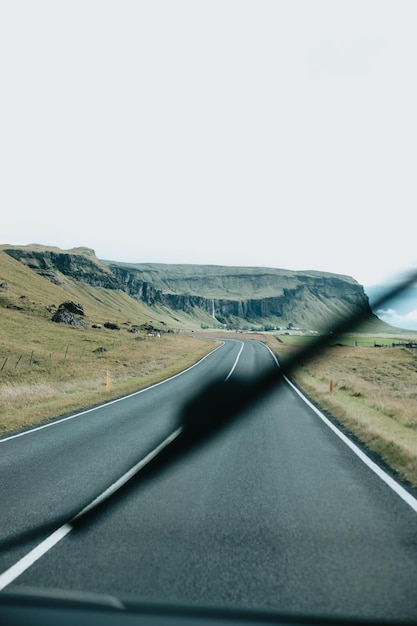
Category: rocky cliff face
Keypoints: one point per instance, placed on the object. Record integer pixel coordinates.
(227, 295)
(236, 296)
(79, 264)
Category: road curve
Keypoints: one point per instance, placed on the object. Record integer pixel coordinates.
(277, 513)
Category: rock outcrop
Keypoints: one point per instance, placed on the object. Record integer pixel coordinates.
(53, 264)
(69, 313)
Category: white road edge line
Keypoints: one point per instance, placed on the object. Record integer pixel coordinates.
(130, 473)
(101, 406)
(47, 544)
(31, 557)
(396, 487)
(399, 490)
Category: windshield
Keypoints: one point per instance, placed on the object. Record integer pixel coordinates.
(182, 424)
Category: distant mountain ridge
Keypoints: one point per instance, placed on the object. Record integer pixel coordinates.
(236, 297)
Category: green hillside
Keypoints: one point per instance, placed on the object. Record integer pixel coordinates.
(29, 292)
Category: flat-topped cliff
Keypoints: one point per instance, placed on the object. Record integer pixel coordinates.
(231, 296)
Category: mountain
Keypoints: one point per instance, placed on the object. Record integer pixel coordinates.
(206, 295)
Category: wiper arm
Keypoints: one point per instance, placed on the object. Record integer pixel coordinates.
(205, 415)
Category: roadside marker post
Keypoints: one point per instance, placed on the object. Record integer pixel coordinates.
(108, 382)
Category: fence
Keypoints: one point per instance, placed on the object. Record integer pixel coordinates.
(17, 361)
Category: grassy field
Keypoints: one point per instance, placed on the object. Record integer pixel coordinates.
(82, 369)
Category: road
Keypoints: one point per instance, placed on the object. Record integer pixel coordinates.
(278, 512)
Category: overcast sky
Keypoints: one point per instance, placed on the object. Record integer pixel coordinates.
(266, 132)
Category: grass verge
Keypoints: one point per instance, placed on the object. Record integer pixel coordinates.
(370, 391)
(34, 392)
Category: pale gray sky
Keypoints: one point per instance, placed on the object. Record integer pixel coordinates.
(266, 132)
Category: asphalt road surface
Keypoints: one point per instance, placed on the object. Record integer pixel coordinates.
(278, 512)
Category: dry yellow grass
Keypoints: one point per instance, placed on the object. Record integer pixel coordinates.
(30, 394)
